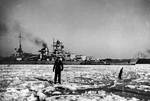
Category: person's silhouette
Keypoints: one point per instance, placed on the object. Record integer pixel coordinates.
(120, 74)
(57, 68)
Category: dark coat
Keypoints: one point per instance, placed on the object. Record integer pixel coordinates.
(58, 66)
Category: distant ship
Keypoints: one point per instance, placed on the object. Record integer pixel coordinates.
(58, 50)
(44, 56)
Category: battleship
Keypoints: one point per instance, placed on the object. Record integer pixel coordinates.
(46, 56)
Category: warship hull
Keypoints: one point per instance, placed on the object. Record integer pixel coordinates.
(40, 62)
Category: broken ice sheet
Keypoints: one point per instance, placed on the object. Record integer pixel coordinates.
(30, 82)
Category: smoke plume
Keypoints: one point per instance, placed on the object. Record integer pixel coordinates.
(28, 36)
(3, 28)
(6, 7)
(39, 42)
(32, 38)
(148, 51)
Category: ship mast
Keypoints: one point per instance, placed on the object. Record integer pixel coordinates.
(20, 41)
(20, 46)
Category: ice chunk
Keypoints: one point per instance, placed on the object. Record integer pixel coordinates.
(131, 86)
(56, 93)
(41, 95)
(32, 98)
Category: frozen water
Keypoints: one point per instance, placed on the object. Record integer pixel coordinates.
(79, 82)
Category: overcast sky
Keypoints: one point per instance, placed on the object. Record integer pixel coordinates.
(99, 28)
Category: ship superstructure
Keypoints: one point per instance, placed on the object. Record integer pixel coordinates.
(19, 51)
(46, 56)
(44, 53)
(57, 51)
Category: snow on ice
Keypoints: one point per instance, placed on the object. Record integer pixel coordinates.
(79, 83)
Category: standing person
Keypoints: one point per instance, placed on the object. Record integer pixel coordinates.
(58, 67)
(120, 74)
